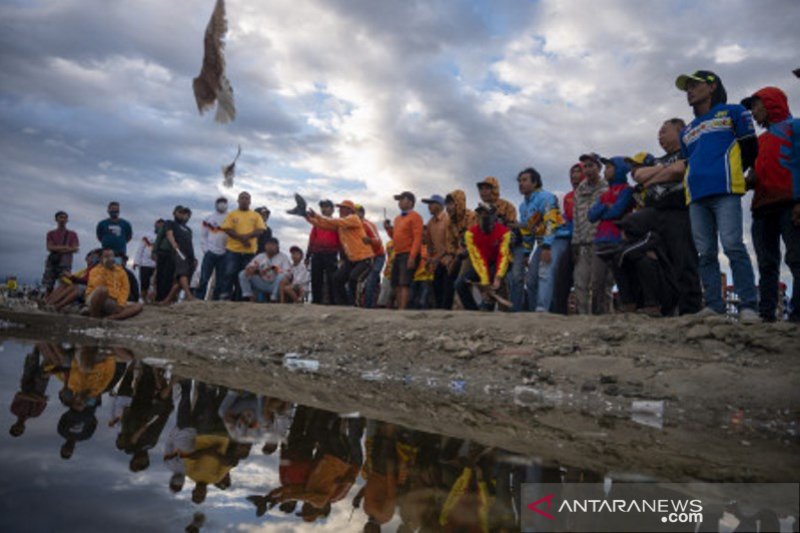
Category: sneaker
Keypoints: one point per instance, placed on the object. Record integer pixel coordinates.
(748, 316)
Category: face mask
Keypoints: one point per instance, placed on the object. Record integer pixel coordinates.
(118, 261)
(222, 207)
(113, 214)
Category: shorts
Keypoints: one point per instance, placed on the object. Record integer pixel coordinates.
(401, 274)
(184, 267)
(110, 306)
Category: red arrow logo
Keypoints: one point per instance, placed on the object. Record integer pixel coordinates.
(534, 506)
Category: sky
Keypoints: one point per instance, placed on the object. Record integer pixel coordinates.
(345, 99)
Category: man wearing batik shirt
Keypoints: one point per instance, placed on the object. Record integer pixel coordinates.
(718, 146)
(489, 256)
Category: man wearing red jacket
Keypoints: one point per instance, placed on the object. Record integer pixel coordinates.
(563, 279)
(323, 253)
(776, 202)
(488, 245)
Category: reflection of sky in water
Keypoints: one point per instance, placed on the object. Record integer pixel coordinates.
(96, 491)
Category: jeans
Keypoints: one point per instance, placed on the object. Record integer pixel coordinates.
(233, 264)
(720, 217)
(212, 264)
(374, 281)
(768, 228)
(539, 280)
(256, 284)
(420, 294)
(516, 282)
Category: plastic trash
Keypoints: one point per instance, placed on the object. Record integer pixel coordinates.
(648, 413)
(458, 386)
(295, 364)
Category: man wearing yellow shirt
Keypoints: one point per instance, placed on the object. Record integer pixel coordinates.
(107, 290)
(243, 226)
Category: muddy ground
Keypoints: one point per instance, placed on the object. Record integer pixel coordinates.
(584, 392)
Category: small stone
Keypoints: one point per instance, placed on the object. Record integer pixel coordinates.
(608, 378)
(588, 386)
(697, 332)
(519, 339)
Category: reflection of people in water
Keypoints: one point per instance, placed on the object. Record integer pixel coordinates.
(89, 374)
(180, 439)
(325, 451)
(31, 401)
(144, 419)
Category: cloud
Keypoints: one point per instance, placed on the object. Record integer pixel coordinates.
(349, 98)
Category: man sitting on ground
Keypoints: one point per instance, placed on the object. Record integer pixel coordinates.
(265, 272)
(108, 289)
(295, 284)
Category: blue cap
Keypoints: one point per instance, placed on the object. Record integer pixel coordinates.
(435, 199)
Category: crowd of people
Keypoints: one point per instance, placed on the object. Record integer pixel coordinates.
(656, 239)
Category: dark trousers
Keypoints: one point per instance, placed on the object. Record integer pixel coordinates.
(323, 267)
(145, 275)
(562, 284)
(442, 285)
(639, 282)
(233, 263)
(464, 287)
(165, 274)
(769, 227)
(449, 290)
(349, 273)
(212, 263)
(675, 229)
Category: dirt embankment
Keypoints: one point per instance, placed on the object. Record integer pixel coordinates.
(677, 399)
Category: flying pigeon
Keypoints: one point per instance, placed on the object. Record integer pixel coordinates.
(229, 171)
(301, 208)
(211, 85)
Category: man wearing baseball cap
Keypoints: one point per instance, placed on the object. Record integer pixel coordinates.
(583, 231)
(358, 254)
(323, 255)
(437, 247)
(776, 199)
(407, 236)
(718, 146)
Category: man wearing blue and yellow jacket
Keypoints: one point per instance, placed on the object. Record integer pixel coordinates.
(541, 227)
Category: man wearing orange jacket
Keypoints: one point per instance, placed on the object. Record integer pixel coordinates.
(407, 236)
(358, 252)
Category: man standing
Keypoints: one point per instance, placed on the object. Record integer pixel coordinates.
(144, 261)
(542, 225)
(609, 209)
(461, 219)
(373, 239)
(358, 253)
(114, 232)
(242, 226)
(322, 253)
(267, 235)
(107, 290)
(666, 213)
(562, 284)
(489, 190)
(407, 236)
(61, 244)
(776, 202)
(165, 261)
(583, 231)
(437, 247)
(265, 272)
(179, 236)
(718, 146)
(489, 257)
(213, 241)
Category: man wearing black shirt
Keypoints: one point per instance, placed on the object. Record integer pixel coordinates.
(179, 236)
(668, 214)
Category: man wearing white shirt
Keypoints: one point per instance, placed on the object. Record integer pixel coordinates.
(295, 284)
(144, 261)
(265, 272)
(212, 242)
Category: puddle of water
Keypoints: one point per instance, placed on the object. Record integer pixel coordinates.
(112, 442)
